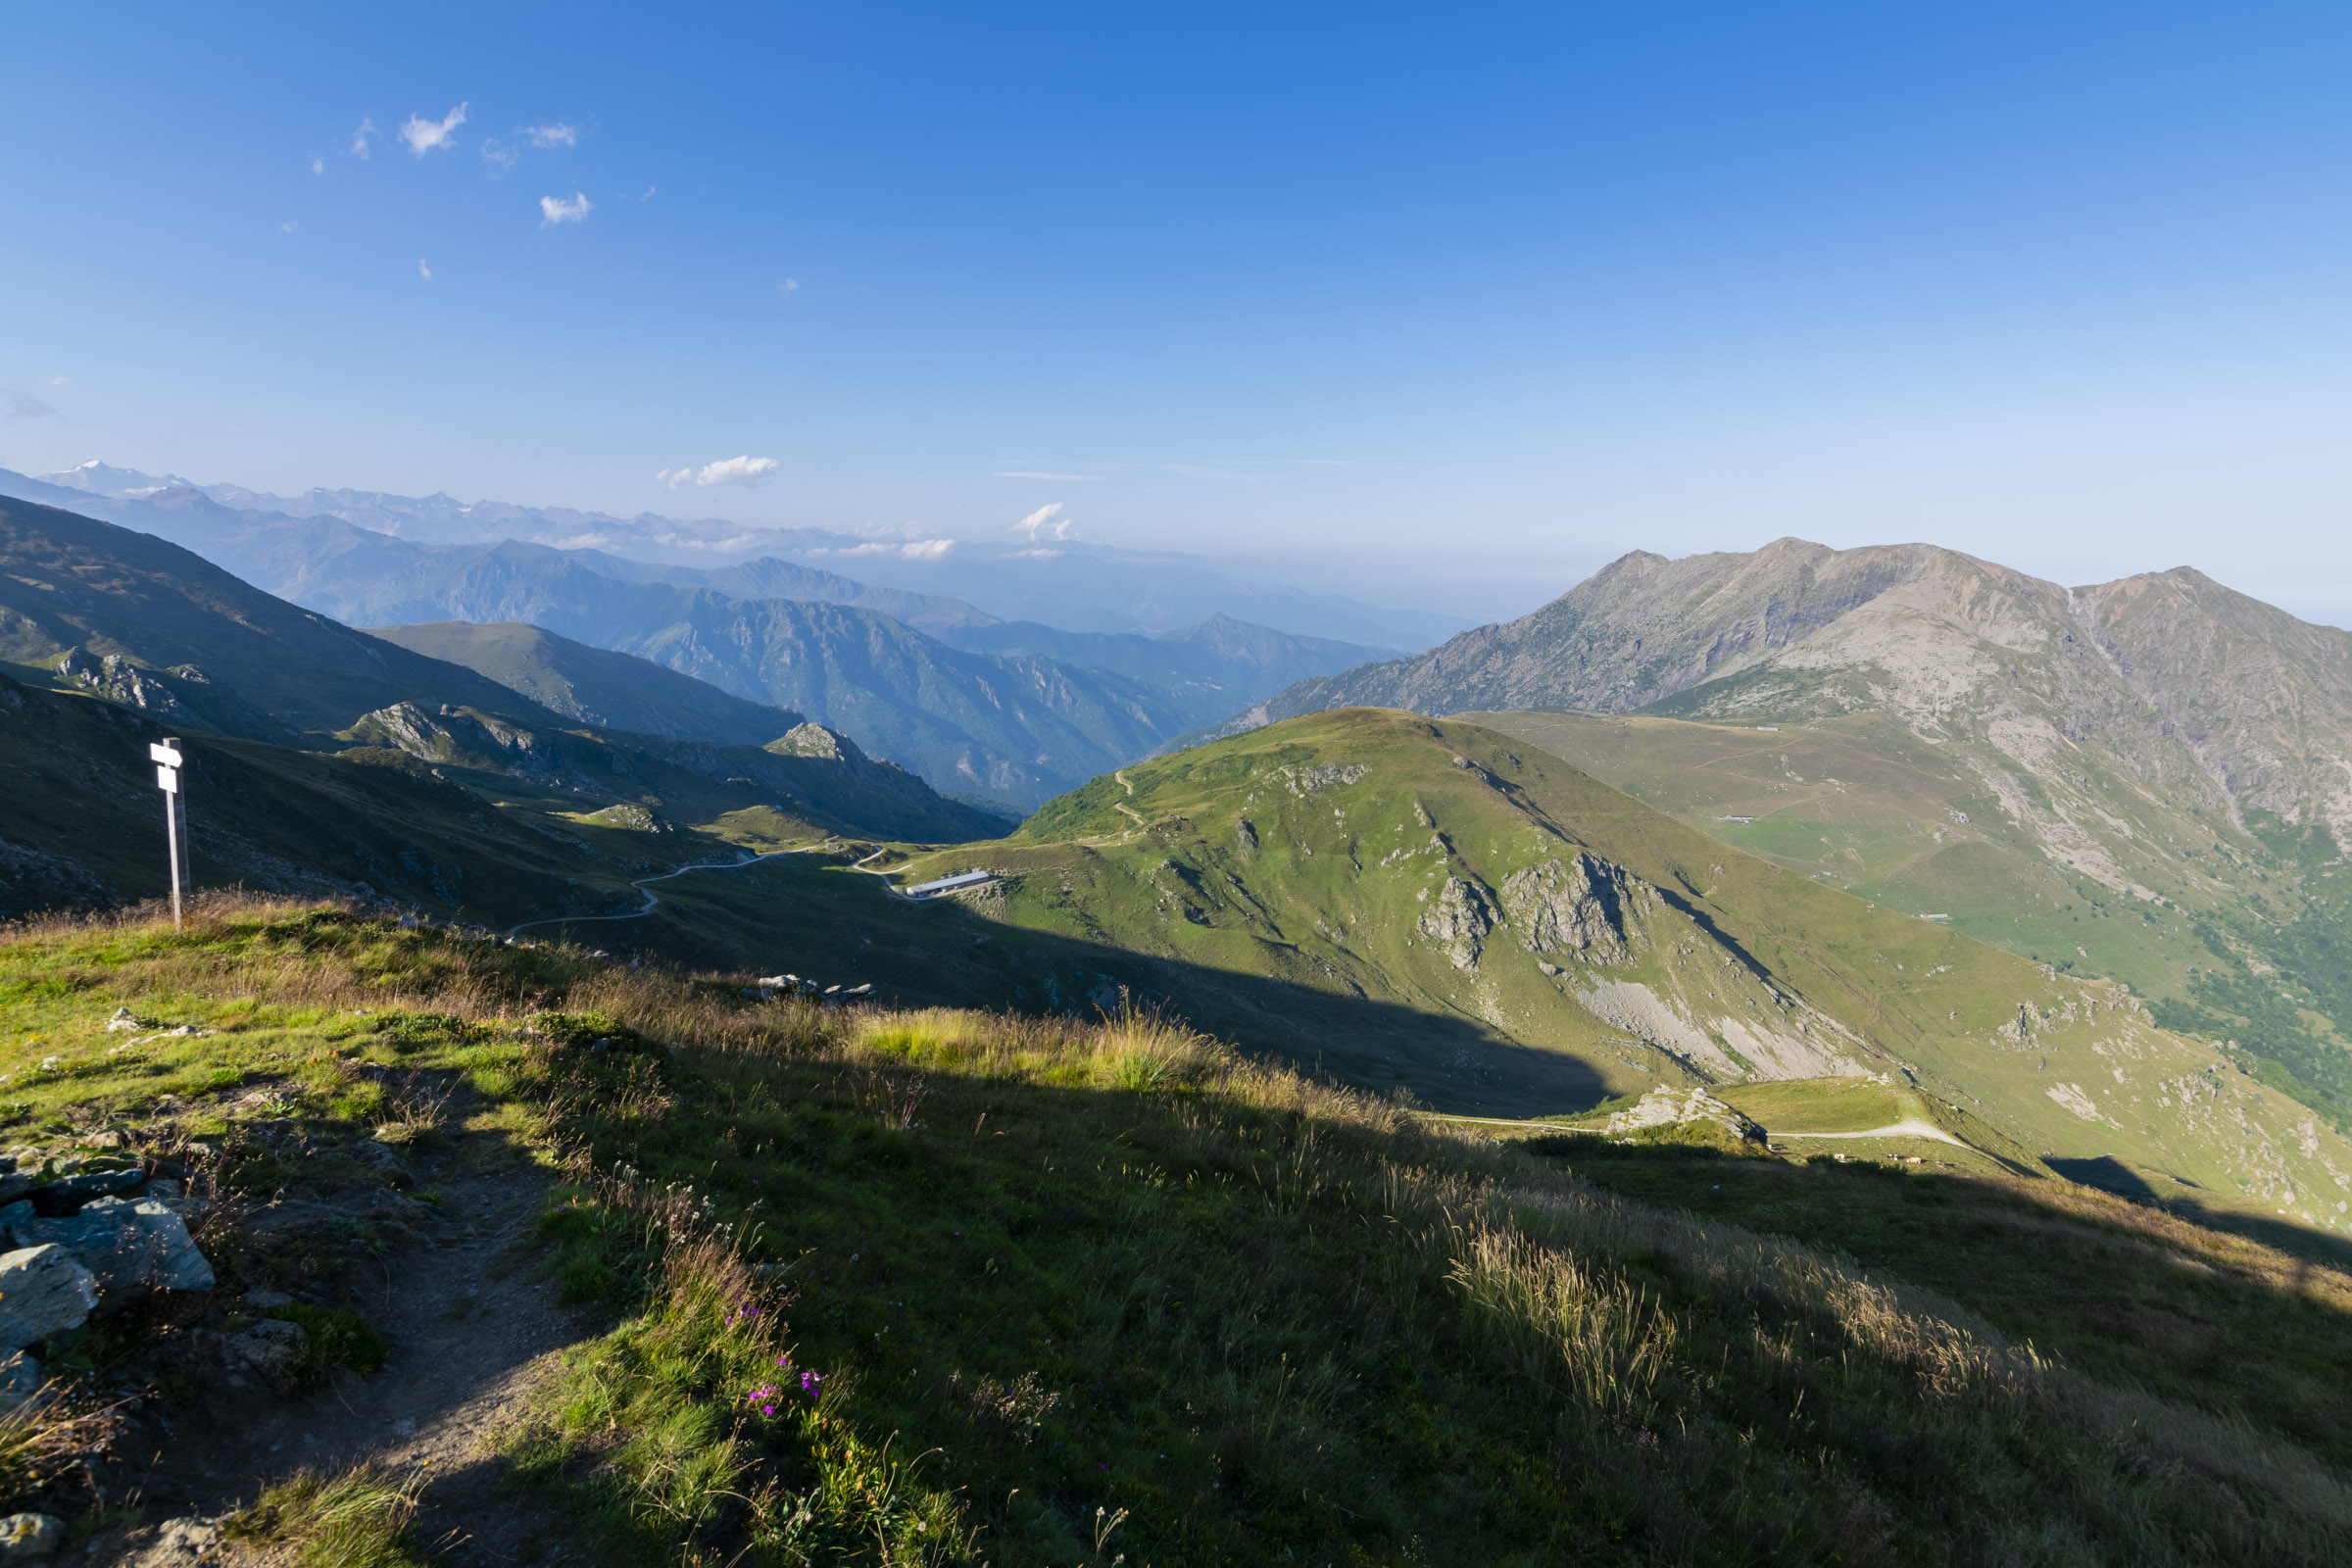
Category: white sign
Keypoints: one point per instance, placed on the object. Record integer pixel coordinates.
(167, 756)
(167, 779)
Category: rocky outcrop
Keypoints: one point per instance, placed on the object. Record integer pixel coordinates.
(1578, 904)
(458, 735)
(812, 739)
(85, 1235)
(118, 680)
(1302, 781)
(1458, 922)
(1664, 1106)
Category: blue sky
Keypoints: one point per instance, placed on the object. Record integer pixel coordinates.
(1441, 304)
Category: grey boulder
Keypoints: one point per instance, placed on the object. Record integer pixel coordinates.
(129, 1244)
(44, 1289)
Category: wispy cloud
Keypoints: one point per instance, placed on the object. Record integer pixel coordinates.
(789, 287)
(289, 225)
(317, 164)
(1046, 522)
(554, 210)
(22, 405)
(499, 157)
(425, 135)
(727, 470)
(911, 549)
(60, 381)
(1039, 473)
(359, 143)
(423, 271)
(557, 134)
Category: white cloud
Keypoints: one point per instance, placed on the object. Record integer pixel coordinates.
(1036, 473)
(554, 210)
(60, 381)
(912, 550)
(557, 134)
(499, 156)
(424, 135)
(359, 139)
(423, 271)
(317, 165)
(789, 287)
(1046, 522)
(727, 470)
(289, 225)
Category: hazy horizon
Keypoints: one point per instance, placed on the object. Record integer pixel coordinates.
(1433, 310)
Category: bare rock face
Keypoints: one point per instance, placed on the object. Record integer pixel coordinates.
(1459, 921)
(1580, 904)
(815, 740)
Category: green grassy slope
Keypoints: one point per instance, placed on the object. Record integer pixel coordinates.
(595, 686)
(1307, 884)
(1067, 1292)
(2245, 936)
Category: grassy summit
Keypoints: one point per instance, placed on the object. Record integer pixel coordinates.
(951, 1287)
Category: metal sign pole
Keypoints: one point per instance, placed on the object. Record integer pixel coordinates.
(167, 760)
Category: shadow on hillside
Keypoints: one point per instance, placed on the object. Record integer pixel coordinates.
(2111, 1175)
(804, 917)
(2107, 1173)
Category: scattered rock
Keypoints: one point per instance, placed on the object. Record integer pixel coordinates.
(26, 1536)
(124, 1021)
(267, 1344)
(44, 1289)
(175, 1543)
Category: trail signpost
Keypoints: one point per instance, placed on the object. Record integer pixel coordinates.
(168, 761)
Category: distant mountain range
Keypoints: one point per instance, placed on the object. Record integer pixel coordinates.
(1002, 713)
(140, 627)
(1060, 581)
